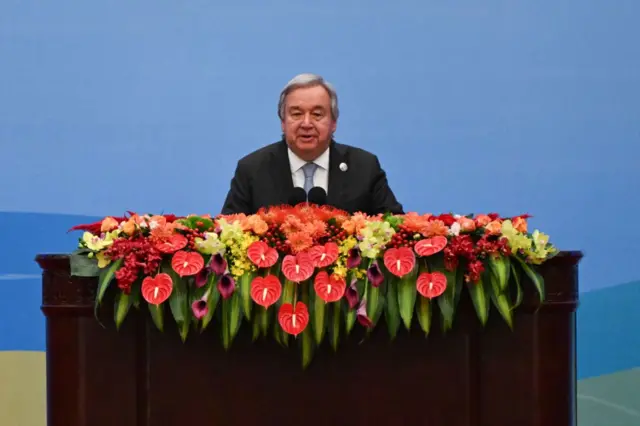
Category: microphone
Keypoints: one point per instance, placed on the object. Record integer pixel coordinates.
(318, 196)
(297, 196)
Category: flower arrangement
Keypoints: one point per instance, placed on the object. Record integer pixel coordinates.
(309, 271)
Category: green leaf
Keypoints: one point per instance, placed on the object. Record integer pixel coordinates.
(306, 340)
(212, 300)
(448, 301)
(179, 301)
(319, 310)
(235, 314)
(501, 302)
(516, 279)
(124, 302)
(374, 305)
(535, 278)
(81, 265)
(407, 298)
(481, 299)
(498, 297)
(500, 267)
(424, 313)
(122, 305)
(334, 327)
(157, 315)
(105, 278)
(256, 325)
(244, 284)
(391, 309)
(265, 314)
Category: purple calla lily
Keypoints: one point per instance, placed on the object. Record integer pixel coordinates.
(226, 286)
(218, 264)
(361, 315)
(202, 276)
(351, 294)
(375, 274)
(353, 259)
(199, 308)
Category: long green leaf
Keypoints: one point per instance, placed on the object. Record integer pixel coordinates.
(447, 301)
(407, 298)
(374, 303)
(212, 300)
(499, 298)
(244, 284)
(535, 278)
(516, 279)
(319, 309)
(105, 278)
(424, 313)
(306, 340)
(124, 302)
(481, 298)
(500, 267)
(391, 309)
(179, 301)
(334, 327)
(157, 315)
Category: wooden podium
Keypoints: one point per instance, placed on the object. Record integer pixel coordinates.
(138, 376)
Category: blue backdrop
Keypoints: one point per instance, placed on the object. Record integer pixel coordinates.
(471, 106)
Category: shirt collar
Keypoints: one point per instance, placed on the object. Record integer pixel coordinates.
(297, 162)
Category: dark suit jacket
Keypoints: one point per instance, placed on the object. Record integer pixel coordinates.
(263, 178)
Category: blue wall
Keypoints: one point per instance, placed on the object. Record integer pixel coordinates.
(471, 106)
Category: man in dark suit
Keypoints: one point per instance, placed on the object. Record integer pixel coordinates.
(308, 157)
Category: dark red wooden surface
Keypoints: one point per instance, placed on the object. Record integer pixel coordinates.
(472, 376)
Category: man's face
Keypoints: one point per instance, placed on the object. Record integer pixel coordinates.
(308, 124)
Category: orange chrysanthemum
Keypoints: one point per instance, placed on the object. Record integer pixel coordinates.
(414, 222)
(299, 241)
(433, 228)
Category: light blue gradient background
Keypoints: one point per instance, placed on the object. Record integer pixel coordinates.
(471, 106)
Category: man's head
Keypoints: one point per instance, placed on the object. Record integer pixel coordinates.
(308, 109)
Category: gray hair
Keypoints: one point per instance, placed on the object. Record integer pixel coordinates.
(308, 80)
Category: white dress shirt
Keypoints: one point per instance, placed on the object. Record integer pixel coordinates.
(320, 177)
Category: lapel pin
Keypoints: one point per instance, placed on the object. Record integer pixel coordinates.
(343, 167)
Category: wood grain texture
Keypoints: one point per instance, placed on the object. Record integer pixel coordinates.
(472, 376)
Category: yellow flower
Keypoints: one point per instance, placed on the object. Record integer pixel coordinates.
(103, 261)
(517, 240)
(95, 243)
(210, 244)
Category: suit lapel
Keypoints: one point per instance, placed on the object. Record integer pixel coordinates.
(337, 178)
(281, 173)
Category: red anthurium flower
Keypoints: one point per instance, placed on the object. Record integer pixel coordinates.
(262, 255)
(187, 263)
(297, 268)
(399, 261)
(226, 286)
(266, 291)
(329, 288)
(325, 255)
(374, 274)
(293, 321)
(199, 308)
(431, 285)
(174, 243)
(156, 290)
(430, 246)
